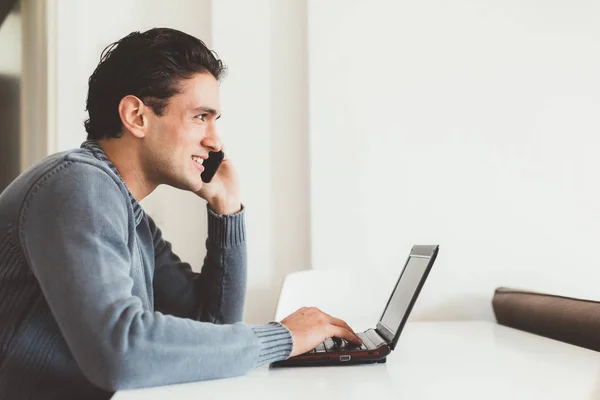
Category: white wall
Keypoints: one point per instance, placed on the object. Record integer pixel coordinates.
(35, 117)
(469, 124)
(10, 89)
(10, 44)
(264, 101)
(264, 124)
(472, 124)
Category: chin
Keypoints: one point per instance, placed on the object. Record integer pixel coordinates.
(187, 183)
(195, 185)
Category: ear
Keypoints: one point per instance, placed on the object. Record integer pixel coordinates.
(132, 112)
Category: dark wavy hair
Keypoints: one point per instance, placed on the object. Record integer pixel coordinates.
(149, 65)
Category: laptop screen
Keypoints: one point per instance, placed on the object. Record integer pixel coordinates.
(403, 293)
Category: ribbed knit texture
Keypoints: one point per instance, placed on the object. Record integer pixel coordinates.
(227, 230)
(276, 342)
(93, 300)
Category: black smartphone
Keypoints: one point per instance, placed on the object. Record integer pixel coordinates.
(211, 165)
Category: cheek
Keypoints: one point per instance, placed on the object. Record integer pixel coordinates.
(184, 135)
(159, 151)
(167, 140)
(194, 129)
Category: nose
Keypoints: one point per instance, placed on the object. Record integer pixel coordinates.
(212, 141)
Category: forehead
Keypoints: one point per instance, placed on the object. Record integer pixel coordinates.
(202, 90)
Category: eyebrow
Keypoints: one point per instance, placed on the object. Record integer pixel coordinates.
(207, 110)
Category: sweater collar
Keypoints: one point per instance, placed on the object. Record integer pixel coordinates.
(97, 151)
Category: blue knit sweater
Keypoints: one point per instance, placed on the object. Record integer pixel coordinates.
(93, 300)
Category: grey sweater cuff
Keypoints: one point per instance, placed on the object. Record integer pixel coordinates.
(276, 343)
(226, 230)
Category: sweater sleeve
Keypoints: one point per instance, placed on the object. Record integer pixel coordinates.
(78, 240)
(216, 294)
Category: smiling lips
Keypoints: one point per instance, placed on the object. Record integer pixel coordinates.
(198, 162)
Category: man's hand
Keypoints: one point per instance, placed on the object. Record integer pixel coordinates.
(311, 326)
(223, 192)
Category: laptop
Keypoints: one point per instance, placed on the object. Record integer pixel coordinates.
(379, 342)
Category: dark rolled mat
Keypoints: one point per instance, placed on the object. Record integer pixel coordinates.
(570, 320)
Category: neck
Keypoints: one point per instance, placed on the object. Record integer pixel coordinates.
(125, 158)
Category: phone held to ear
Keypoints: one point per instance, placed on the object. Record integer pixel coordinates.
(211, 165)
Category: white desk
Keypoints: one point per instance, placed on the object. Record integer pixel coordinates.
(433, 360)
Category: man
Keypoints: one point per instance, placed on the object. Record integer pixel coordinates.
(92, 299)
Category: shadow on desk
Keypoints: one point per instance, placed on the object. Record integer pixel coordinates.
(360, 381)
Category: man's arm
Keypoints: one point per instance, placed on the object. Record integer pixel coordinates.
(77, 239)
(218, 292)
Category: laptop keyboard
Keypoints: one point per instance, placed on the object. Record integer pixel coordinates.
(336, 345)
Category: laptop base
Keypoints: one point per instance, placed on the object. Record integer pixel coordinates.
(324, 363)
(368, 356)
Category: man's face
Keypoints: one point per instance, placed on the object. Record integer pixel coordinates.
(183, 134)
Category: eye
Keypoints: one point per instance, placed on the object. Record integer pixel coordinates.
(201, 117)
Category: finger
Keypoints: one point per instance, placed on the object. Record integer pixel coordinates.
(353, 337)
(344, 333)
(225, 157)
(341, 324)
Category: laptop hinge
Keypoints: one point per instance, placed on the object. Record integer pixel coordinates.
(379, 338)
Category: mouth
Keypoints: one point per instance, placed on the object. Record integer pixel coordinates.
(198, 162)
